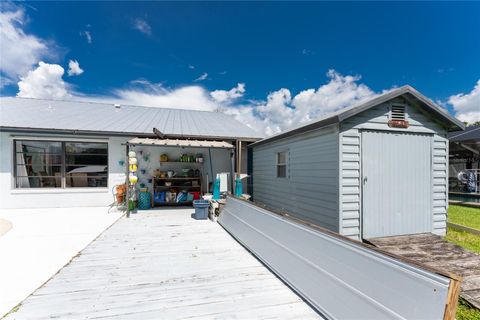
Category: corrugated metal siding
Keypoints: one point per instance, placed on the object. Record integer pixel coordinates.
(397, 183)
(85, 116)
(350, 135)
(311, 191)
(440, 184)
(350, 191)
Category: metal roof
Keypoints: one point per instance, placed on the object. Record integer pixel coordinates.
(181, 143)
(52, 116)
(471, 133)
(452, 123)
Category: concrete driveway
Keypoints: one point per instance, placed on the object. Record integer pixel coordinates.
(40, 242)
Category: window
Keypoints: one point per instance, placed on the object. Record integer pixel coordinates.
(281, 164)
(55, 164)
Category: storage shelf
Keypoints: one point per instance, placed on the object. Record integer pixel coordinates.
(182, 162)
(179, 178)
(183, 203)
(176, 186)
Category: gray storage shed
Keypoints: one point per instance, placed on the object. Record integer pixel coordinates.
(373, 170)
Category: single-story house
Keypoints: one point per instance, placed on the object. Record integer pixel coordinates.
(373, 170)
(68, 153)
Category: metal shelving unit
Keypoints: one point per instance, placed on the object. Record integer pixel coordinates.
(177, 180)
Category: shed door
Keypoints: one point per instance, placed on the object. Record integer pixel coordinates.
(396, 170)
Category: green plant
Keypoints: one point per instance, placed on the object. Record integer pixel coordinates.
(466, 312)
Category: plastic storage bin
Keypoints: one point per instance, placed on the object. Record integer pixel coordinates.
(201, 209)
(144, 200)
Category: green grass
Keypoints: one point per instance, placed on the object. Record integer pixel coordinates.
(469, 217)
(466, 216)
(464, 239)
(465, 312)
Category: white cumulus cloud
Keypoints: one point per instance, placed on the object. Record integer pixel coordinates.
(18, 51)
(467, 106)
(279, 111)
(142, 26)
(74, 68)
(223, 96)
(282, 111)
(44, 82)
(190, 97)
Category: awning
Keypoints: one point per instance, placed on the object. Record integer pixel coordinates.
(181, 143)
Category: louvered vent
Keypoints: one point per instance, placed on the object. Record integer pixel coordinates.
(397, 113)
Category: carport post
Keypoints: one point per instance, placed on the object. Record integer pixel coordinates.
(127, 148)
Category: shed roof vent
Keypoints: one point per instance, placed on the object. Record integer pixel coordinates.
(397, 113)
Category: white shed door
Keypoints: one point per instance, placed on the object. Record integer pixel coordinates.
(396, 169)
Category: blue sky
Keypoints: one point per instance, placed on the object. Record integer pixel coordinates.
(157, 48)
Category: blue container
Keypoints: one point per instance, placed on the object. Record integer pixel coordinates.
(238, 187)
(201, 209)
(144, 200)
(159, 197)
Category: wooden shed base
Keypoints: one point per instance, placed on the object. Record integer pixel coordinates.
(434, 251)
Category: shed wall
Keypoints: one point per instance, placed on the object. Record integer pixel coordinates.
(377, 118)
(310, 190)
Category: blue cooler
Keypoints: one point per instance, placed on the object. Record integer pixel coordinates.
(201, 209)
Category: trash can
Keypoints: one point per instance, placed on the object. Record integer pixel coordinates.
(201, 209)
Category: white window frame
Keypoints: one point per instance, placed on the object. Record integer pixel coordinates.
(63, 188)
(285, 164)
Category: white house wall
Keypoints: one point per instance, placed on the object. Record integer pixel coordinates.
(310, 191)
(377, 118)
(10, 197)
(56, 197)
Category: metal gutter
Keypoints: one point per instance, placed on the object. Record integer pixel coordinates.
(111, 133)
(340, 278)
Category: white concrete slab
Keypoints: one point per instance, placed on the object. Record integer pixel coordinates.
(41, 242)
(163, 264)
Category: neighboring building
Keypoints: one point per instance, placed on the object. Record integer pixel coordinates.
(465, 157)
(373, 170)
(65, 153)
